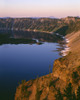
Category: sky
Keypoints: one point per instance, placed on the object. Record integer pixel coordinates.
(39, 8)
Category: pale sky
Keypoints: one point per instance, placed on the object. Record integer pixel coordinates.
(39, 8)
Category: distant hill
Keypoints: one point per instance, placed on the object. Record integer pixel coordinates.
(49, 25)
(4, 17)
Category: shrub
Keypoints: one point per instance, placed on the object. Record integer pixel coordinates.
(68, 92)
(78, 93)
(75, 77)
(38, 94)
(25, 92)
(59, 95)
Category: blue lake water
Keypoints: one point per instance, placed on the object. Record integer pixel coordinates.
(24, 62)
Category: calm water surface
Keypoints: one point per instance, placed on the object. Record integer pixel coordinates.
(23, 62)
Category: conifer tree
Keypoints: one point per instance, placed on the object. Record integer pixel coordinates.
(73, 96)
(68, 92)
(59, 95)
(78, 93)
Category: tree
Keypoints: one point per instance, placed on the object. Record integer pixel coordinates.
(73, 96)
(78, 93)
(75, 77)
(59, 96)
(68, 92)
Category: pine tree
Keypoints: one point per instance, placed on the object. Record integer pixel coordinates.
(59, 96)
(74, 96)
(78, 93)
(68, 92)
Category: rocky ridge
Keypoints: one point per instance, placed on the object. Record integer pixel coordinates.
(65, 70)
(42, 24)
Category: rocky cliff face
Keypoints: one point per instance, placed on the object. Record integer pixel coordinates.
(65, 70)
(41, 24)
(45, 88)
(64, 67)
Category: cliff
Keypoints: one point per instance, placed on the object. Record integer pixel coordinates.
(42, 24)
(65, 70)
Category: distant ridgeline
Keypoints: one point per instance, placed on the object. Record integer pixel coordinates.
(62, 26)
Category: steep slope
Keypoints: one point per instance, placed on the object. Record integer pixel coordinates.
(42, 24)
(71, 62)
(43, 88)
(65, 70)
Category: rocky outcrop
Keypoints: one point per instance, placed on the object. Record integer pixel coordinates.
(65, 66)
(70, 19)
(65, 70)
(42, 88)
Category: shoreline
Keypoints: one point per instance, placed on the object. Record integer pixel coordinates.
(65, 48)
(27, 30)
(55, 76)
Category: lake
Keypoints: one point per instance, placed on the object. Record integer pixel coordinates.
(24, 62)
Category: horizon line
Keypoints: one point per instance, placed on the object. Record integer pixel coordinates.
(53, 17)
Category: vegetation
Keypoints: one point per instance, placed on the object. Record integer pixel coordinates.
(25, 92)
(52, 83)
(46, 98)
(75, 26)
(23, 81)
(62, 59)
(75, 77)
(78, 93)
(6, 39)
(68, 94)
(62, 30)
(59, 95)
(38, 94)
(42, 24)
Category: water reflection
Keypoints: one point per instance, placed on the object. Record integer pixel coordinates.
(34, 35)
(24, 61)
(39, 36)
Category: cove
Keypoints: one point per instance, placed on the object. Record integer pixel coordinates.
(24, 62)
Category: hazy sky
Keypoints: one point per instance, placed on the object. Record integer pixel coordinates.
(36, 8)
